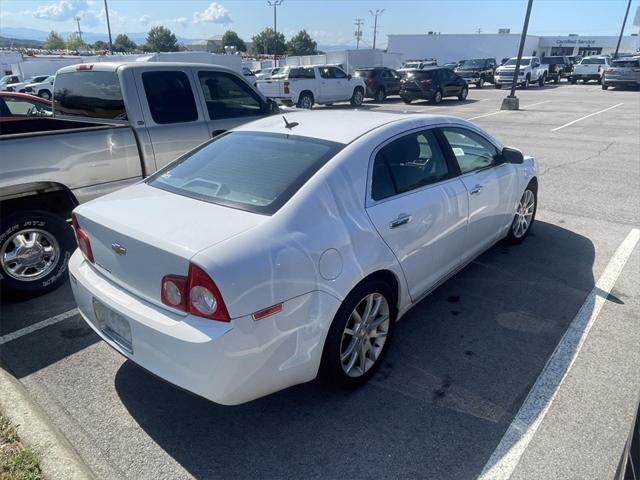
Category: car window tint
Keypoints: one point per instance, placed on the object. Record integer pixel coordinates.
(227, 96)
(87, 93)
(170, 97)
(338, 73)
(471, 151)
(407, 163)
(25, 107)
(252, 171)
(302, 73)
(325, 72)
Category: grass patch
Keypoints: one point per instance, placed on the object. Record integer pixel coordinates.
(17, 462)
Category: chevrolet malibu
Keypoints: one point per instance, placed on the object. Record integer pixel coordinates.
(287, 248)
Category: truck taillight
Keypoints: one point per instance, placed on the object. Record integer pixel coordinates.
(426, 83)
(84, 244)
(196, 294)
(286, 87)
(370, 82)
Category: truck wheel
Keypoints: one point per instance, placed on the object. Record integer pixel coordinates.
(605, 86)
(497, 86)
(573, 80)
(406, 100)
(542, 80)
(305, 101)
(480, 83)
(357, 97)
(380, 95)
(527, 80)
(556, 80)
(35, 247)
(46, 94)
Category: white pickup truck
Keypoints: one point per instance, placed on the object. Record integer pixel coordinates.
(531, 71)
(304, 86)
(43, 89)
(589, 68)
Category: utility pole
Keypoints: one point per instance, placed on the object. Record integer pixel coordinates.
(626, 14)
(511, 102)
(77, 19)
(275, 4)
(106, 11)
(359, 23)
(375, 24)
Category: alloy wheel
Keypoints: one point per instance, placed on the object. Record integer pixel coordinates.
(364, 335)
(524, 214)
(29, 254)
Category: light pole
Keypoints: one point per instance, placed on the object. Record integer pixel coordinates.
(275, 4)
(512, 102)
(375, 24)
(626, 14)
(106, 12)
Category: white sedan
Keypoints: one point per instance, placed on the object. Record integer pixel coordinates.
(286, 249)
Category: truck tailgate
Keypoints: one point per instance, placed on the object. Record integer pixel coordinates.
(272, 88)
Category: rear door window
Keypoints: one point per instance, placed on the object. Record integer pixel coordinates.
(169, 96)
(227, 96)
(89, 93)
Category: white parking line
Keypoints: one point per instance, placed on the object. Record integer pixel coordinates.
(37, 326)
(506, 456)
(501, 111)
(442, 106)
(586, 116)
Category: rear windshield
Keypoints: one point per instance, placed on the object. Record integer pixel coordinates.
(554, 60)
(475, 63)
(257, 172)
(89, 94)
(364, 73)
(420, 74)
(592, 61)
(626, 63)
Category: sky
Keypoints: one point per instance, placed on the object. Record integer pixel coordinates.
(329, 22)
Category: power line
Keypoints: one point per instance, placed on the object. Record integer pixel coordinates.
(359, 23)
(375, 24)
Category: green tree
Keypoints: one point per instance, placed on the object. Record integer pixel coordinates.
(74, 42)
(54, 41)
(123, 43)
(100, 45)
(161, 39)
(302, 44)
(267, 40)
(231, 39)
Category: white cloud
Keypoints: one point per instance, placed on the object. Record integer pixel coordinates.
(215, 13)
(61, 11)
(182, 21)
(145, 20)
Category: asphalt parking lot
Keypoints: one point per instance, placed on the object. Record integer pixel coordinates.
(464, 360)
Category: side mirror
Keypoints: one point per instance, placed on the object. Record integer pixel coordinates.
(272, 106)
(349, 77)
(511, 155)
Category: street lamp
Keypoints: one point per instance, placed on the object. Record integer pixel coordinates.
(375, 23)
(275, 4)
(512, 102)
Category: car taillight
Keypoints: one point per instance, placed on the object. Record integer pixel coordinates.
(370, 82)
(82, 238)
(403, 81)
(425, 82)
(286, 87)
(196, 294)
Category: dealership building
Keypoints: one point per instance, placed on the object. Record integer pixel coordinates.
(453, 47)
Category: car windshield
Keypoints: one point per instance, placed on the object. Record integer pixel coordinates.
(474, 63)
(549, 60)
(252, 171)
(626, 63)
(592, 61)
(412, 65)
(513, 61)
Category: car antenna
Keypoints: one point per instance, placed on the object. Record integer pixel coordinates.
(289, 125)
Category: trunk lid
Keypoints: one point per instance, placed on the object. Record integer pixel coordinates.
(142, 233)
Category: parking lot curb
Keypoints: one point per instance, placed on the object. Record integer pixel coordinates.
(58, 459)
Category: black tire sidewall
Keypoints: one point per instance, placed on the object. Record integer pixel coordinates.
(331, 372)
(62, 232)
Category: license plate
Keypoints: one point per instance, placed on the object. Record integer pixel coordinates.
(113, 325)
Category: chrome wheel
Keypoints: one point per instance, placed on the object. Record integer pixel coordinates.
(46, 95)
(481, 82)
(306, 102)
(464, 93)
(364, 335)
(358, 98)
(29, 254)
(524, 214)
(438, 97)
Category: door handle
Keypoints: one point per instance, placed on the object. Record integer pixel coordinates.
(476, 189)
(402, 219)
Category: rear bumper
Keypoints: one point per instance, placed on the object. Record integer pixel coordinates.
(586, 76)
(228, 363)
(621, 82)
(415, 95)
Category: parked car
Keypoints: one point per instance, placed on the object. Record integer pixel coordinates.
(590, 68)
(559, 68)
(432, 84)
(249, 76)
(531, 71)
(114, 124)
(623, 72)
(574, 59)
(42, 89)
(19, 106)
(20, 86)
(380, 82)
(287, 249)
(418, 64)
(305, 86)
(8, 80)
(477, 71)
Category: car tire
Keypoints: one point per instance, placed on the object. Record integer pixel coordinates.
(463, 94)
(406, 100)
(497, 86)
(525, 215)
(526, 83)
(542, 80)
(46, 94)
(45, 266)
(305, 101)
(352, 353)
(556, 80)
(437, 97)
(357, 97)
(480, 83)
(605, 86)
(573, 80)
(380, 95)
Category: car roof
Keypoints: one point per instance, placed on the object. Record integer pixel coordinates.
(115, 66)
(335, 125)
(26, 96)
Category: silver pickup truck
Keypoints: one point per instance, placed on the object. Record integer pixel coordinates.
(113, 124)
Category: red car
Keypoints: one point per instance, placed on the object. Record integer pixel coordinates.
(20, 106)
